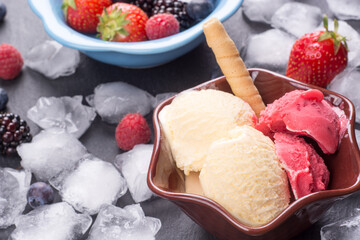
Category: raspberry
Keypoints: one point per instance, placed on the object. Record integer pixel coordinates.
(11, 62)
(161, 25)
(132, 130)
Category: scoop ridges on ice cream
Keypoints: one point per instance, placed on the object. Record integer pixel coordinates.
(195, 119)
(243, 174)
(306, 170)
(305, 113)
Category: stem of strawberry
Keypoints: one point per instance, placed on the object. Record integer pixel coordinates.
(334, 35)
(111, 24)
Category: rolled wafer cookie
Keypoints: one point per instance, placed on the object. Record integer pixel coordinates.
(231, 64)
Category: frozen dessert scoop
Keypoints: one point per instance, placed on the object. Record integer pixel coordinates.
(305, 113)
(306, 170)
(243, 174)
(195, 119)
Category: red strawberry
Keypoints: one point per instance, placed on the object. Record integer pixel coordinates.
(11, 62)
(82, 15)
(122, 22)
(132, 130)
(161, 25)
(317, 57)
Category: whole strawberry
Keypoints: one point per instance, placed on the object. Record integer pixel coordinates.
(132, 130)
(122, 22)
(161, 25)
(317, 57)
(82, 15)
(11, 62)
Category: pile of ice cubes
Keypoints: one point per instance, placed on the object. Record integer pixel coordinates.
(86, 184)
(112, 101)
(83, 180)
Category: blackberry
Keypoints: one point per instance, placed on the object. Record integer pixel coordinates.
(13, 132)
(145, 5)
(176, 8)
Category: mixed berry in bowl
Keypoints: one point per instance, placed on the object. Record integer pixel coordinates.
(134, 20)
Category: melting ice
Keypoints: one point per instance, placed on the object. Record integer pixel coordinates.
(134, 166)
(53, 59)
(128, 223)
(64, 112)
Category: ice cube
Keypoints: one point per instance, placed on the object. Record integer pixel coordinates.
(50, 152)
(344, 229)
(345, 9)
(91, 184)
(114, 100)
(63, 112)
(57, 221)
(297, 18)
(348, 84)
(134, 166)
(262, 10)
(159, 98)
(270, 50)
(13, 189)
(52, 59)
(128, 223)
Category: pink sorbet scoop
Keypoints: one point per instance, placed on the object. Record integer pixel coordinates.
(306, 170)
(305, 113)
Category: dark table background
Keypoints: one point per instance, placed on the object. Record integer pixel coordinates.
(23, 29)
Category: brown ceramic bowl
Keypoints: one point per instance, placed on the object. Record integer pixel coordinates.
(167, 181)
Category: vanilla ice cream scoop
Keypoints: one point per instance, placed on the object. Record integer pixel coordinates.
(243, 174)
(195, 119)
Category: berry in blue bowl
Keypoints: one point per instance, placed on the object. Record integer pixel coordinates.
(134, 54)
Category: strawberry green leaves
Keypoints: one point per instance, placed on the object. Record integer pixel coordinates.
(112, 23)
(334, 35)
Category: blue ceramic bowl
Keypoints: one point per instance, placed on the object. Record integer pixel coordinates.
(132, 55)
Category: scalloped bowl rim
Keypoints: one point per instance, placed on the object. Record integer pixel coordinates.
(58, 30)
(291, 209)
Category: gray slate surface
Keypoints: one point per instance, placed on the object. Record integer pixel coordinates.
(23, 29)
